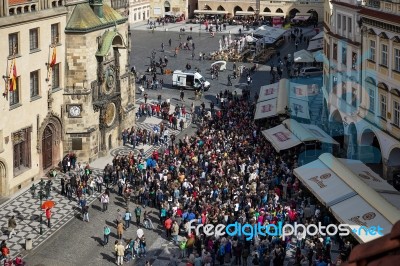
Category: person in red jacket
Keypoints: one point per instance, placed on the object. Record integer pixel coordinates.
(168, 226)
(48, 216)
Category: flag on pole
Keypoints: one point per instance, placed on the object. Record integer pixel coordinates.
(13, 76)
(53, 57)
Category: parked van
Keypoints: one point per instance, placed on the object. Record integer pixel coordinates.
(189, 79)
(310, 72)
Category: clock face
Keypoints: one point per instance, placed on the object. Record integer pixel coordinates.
(75, 111)
(110, 79)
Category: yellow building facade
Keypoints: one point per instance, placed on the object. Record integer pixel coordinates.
(31, 120)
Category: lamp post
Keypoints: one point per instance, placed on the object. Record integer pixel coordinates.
(41, 193)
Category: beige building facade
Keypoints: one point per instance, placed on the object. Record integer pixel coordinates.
(288, 8)
(362, 78)
(159, 8)
(31, 129)
(139, 10)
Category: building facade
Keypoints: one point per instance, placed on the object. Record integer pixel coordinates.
(361, 81)
(287, 8)
(160, 8)
(99, 92)
(139, 10)
(31, 128)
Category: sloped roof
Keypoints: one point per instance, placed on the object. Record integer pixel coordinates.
(83, 19)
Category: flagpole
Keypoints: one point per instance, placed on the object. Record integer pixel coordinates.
(8, 75)
(50, 57)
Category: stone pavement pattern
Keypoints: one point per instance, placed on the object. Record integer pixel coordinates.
(26, 209)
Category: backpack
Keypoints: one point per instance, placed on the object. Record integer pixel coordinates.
(182, 245)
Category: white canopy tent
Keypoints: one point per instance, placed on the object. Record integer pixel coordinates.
(303, 56)
(244, 13)
(281, 138)
(274, 98)
(269, 33)
(270, 14)
(301, 17)
(268, 92)
(315, 45)
(250, 39)
(292, 133)
(266, 109)
(307, 132)
(353, 192)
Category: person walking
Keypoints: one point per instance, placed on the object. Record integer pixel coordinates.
(229, 80)
(120, 252)
(182, 95)
(175, 232)
(138, 212)
(106, 235)
(105, 200)
(12, 224)
(85, 211)
(120, 230)
(127, 218)
(168, 226)
(48, 216)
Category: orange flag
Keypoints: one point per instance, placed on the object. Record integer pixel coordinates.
(13, 76)
(53, 58)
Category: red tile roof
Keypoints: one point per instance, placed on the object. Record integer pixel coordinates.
(380, 15)
(17, 2)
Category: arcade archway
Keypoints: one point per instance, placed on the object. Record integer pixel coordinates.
(250, 9)
(267, 10)
(293, 12)
(370, 151)
(167, 6)
(336, 128)
(221, 8)
(236, 9)
(314, 14)
(207, 7)
(279, 10)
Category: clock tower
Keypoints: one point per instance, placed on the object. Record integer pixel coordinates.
(99, 96)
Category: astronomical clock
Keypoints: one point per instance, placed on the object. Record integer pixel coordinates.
(99, 95)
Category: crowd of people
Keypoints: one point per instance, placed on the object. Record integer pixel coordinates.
(224, 174)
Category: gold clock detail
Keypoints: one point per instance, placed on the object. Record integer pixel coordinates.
(110, 114)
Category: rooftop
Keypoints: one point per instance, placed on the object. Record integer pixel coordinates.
(83, 19)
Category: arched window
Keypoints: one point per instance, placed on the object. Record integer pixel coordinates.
(279, 10)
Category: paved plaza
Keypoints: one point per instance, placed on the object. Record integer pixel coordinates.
(71, 241)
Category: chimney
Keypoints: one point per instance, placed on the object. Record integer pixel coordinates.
(97, 6)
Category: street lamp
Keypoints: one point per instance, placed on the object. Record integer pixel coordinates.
(41, 193)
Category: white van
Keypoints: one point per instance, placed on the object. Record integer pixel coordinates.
(189, 79)
(310, 72)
